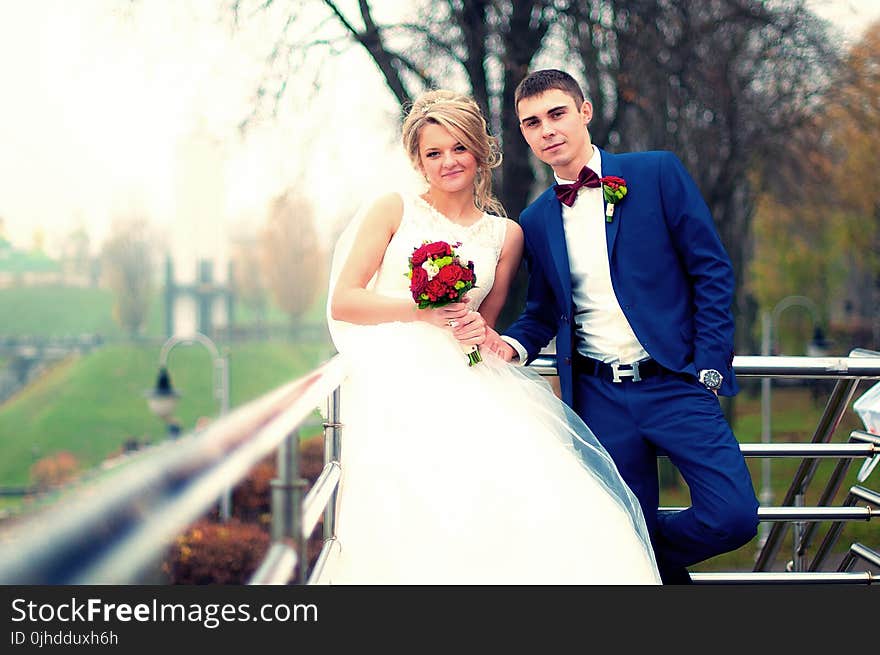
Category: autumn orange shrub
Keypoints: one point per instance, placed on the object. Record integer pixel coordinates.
(217, 553)
(54, 470)
(212, 552)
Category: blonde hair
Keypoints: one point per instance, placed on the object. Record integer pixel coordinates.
(462, 117)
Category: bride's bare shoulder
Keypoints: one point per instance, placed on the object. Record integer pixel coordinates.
(386, 210)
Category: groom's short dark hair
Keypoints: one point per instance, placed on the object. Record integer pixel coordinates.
(542, 81)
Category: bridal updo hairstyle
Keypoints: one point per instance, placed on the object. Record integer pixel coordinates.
(462, 117)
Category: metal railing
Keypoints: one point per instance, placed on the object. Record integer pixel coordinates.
(114, 529)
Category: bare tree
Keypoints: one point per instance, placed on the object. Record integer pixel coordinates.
(248, 280)
(128, 269)
(291, 256)
(76, 260)
(719, 82)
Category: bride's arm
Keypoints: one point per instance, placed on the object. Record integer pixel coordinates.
(352, 302)
(477, 326)
(505, 271)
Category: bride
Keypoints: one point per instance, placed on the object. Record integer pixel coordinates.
(457, 474)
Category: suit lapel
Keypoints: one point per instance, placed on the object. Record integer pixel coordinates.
(556, 241)
(610, 166)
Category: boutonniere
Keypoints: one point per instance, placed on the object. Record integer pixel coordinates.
(614, 190)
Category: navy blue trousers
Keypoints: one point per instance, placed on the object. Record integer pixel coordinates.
(678, 416)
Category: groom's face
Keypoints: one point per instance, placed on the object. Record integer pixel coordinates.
(556, 130)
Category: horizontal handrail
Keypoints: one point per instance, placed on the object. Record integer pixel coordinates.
(855, 366)
(329, 551)
(110, 530)
(277, 566)
(806, 514)
(818, 450)
(318, 497)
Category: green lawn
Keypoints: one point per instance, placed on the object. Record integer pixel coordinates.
(91, 404)
(62, 311)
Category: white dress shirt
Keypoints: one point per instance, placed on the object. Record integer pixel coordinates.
(601, 329)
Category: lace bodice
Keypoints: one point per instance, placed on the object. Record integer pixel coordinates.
(480, 242)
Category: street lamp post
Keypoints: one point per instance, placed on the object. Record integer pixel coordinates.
(163, 399)
(769, 339)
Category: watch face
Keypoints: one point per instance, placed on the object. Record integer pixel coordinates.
(712, 379)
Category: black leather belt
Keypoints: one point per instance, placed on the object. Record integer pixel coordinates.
(635, 372)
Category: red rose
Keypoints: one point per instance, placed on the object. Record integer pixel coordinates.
(419, 256)
(467, 275)
(613, 181)
(436, 289)
(418, 282)
(437, 249)
(450, 274)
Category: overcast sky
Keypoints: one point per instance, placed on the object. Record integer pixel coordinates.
(112, 108)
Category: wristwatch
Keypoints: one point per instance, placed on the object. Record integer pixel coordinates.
(711, 379)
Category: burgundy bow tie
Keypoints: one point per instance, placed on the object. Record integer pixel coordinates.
(568, 193)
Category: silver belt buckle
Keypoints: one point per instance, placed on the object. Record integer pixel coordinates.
(633, 373)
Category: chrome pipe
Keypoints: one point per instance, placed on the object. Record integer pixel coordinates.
(817, 450)
(795, 513)
(861, 365)
(287, 499)
(277, 566)
(329, 552)
(316, 500)
(114, 528)
(833, 486)
(837, 404)
(807, 367)
(855, 494)
(332, 453)
(859, 551)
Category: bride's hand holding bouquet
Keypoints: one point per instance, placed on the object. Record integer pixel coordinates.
(439, 282)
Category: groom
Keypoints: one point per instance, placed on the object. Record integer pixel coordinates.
(630, 276)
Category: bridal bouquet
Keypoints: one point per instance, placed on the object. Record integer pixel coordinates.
(438, 277)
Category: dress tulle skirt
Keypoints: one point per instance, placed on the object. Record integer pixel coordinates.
(468, 475)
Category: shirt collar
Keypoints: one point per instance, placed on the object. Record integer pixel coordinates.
(595, 163)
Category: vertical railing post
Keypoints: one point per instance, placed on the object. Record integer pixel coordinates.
(766, 495)
(287, 495)
(797, 558)
(221, 391)
(332, 430)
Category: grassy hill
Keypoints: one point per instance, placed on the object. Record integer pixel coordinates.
(60, 311)
(92, 404)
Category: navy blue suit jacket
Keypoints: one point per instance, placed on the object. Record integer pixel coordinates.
(670, 272)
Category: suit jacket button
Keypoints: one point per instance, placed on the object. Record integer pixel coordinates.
(568, 361)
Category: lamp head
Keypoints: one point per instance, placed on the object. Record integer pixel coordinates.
(819, 346)
(162, 400)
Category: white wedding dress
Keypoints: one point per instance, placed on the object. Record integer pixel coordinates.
(467, 475)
